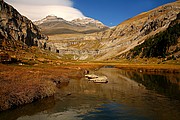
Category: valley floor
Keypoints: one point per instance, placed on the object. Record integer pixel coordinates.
(22, 84)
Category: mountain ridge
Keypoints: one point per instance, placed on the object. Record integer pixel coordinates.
(54, 25)
(138, 28)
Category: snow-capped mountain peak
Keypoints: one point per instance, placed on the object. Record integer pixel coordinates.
(88, 21)
(48, 18)
(85, 24)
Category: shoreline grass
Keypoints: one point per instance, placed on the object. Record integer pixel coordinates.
(25, 84)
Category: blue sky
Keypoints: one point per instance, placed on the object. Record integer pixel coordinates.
(113, 12)
(110, 12)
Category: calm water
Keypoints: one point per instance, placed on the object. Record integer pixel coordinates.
(127, 96)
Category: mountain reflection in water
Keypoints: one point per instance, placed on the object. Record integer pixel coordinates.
(128, 95)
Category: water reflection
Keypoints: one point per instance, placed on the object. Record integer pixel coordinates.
(168, 84)
(128, 95)
(28, 110)
(113, 111)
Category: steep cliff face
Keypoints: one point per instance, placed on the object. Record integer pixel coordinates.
(16, 28)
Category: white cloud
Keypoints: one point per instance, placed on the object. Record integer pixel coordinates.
(38, 9)
(42, 2)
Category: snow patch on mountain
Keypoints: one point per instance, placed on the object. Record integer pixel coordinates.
(88, 21)
(49, 18)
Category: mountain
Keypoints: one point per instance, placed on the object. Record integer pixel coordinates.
(115, 42)
(17, 28)
(136, 30)
(49, 18)
(53, 25)
(17, 35)
(86, 22)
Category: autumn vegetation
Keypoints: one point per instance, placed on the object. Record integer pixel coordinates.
(25, 84)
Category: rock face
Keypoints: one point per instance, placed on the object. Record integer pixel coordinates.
(16, 28)
(53, 25)
(118, 40)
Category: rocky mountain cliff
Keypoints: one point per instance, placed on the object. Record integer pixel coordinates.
(53, 25)
(17, 34)
(17, 28)
(118, 40)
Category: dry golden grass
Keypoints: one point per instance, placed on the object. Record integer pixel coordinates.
(151, 68)
(21, 86)
(24, 84)
(139, 66)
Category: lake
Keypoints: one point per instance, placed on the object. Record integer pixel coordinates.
(128, 95)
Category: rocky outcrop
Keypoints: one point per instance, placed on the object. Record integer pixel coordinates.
(17, 28)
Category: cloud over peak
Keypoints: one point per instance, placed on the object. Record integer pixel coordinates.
(42, 2)
(38, 9)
